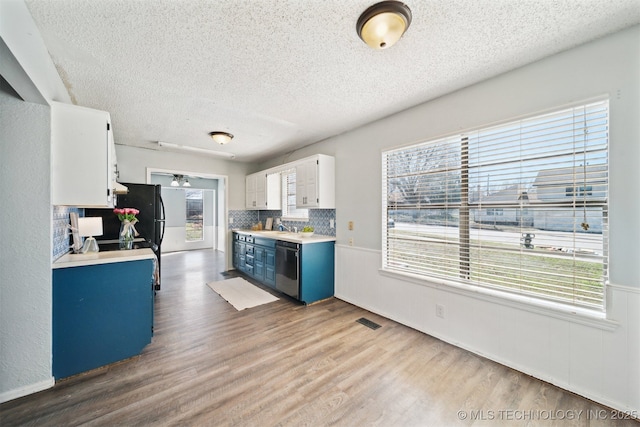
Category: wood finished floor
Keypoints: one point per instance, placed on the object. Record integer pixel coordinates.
(285, 364)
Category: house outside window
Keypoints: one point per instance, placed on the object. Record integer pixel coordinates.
(491, 208)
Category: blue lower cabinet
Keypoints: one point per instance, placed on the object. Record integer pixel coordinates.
(256, 257)
(101, 314)
(317, 281)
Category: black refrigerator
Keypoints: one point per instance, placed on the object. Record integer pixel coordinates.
(147, 199)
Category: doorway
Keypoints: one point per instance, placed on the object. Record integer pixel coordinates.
(195, 205)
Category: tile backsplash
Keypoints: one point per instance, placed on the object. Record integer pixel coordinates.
(318, 219)
(61, 232)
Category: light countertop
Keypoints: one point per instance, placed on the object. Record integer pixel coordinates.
(288, 237)
(79, 260)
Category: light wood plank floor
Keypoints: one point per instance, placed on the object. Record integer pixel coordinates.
(287, 364)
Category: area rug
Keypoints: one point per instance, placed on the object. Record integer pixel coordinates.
(241, 294)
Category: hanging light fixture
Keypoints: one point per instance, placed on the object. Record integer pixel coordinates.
(221, 137)
(382, 25)
(178, 179)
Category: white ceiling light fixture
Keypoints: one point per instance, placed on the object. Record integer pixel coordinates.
(177, 179)
(196, 149)
(221, 137)
(382, 25)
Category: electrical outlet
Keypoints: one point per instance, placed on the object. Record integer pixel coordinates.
(332, 223)
(230, 220)
(440, 311)
(351, 241)
(350, 225)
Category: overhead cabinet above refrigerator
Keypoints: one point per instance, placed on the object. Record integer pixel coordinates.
(82, 157)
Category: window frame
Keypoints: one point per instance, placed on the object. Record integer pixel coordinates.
(289, 192)
(464, 204)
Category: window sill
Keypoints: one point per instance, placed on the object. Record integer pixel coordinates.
(583, 316)
(293, 219)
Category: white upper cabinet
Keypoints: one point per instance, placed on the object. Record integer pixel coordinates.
(315, 182)
(250, 191)
(82, 156)
(263, 191)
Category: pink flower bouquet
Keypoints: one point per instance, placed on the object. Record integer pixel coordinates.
(126, 214)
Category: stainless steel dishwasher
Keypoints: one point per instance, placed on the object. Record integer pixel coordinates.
(288, 268)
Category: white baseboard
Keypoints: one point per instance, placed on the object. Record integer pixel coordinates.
(26, 390)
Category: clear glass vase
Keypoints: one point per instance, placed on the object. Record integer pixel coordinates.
(126, 235)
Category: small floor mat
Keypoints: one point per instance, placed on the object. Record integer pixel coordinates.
(241, 294)
(368, 323)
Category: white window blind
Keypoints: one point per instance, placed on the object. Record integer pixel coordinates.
(289, 210)
(520, 207)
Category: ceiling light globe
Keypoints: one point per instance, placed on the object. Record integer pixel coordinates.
(221, 137)
(383, 24)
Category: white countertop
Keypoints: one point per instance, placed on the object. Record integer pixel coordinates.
(79, 260)
(288, 237)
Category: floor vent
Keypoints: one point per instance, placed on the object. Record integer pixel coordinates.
(368, 323)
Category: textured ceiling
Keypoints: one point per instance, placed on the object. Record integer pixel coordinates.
(283, 74)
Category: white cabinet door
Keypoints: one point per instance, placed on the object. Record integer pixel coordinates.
(262, 191)
(250, 191)
(81, 156)
(274, 191)
(307, 184)
(315, 182)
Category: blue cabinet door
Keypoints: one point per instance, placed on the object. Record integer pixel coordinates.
(242, 257)
(101, 314)
(258, 263)
(270, 267)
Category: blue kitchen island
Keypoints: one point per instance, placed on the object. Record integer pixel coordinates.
(102, 309)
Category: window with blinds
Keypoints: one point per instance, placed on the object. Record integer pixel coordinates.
(520, 207)
(289, 210)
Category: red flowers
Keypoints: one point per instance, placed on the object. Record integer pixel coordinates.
(126, 213)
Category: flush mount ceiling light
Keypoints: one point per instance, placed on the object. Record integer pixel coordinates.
(221, 137)
(382, 25)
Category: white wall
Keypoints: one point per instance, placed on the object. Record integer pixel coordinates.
(133, 163)
(597, 359)
(25, 252)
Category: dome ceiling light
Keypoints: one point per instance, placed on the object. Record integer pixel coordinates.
(382, 25)
(221, 137)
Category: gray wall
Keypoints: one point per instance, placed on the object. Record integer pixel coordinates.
(133, 163)
(583, 352)
(25, 252)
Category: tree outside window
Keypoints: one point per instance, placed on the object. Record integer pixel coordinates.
(195, 215)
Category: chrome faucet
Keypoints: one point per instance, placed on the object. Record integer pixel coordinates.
(283, 227)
